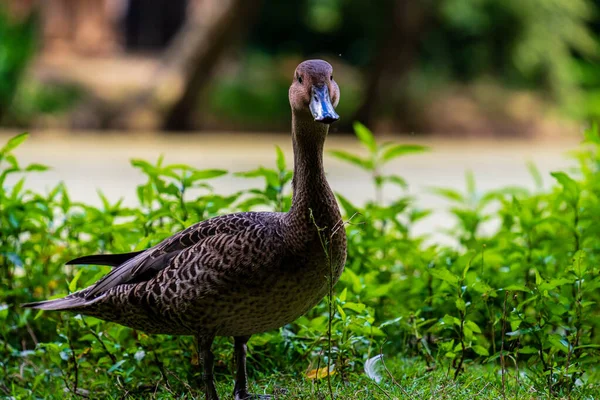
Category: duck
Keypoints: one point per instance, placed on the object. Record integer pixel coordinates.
(237, 274)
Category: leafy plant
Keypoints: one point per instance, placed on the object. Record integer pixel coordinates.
(514, 306)
(378, 156)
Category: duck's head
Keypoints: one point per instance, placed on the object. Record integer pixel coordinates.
(313, 93)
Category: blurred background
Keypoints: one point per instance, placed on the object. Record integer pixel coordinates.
(454, 67)
(488, 84)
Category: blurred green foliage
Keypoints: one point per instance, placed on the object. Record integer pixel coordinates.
(409, 52)
(520, 301)
(340, 28)
(23, 99)
(547, 46)
(35, 100)
(533, 44)
(17, 47)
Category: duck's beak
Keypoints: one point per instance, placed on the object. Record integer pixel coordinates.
(320, 105)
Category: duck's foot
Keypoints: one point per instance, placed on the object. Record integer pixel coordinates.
(207, 357)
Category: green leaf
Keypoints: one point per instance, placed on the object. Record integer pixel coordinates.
(521, 332)
(535, 174)
(528, 350)
(73, 283)
(13, 143)
(554, 283)
(468, 265)
(460, 305)
(480, 350)
(145, 166)
(570, 187)
(17, 188)
(396, 180)
(390, 322)
(12, 160)
(565, 180)
(445, 275)
(352, 279)
(449, 194)
(447, 320)
(349, 208)
(417, 215)
(342, 296)
(471, 188)
(352, 159)
(482, 287)
(105, 202)
(559, 343)
(87, 338)
(374, 331)
(141, 194)
(3, 311)
(206, 174)
(36, 167)
(357, 307)
(538, 278)
(365, 136)
(271, 177)
(473, 326)
(588, 346)
(517, 288)
(116, 366)
(401, 150)
(37, 380)
(38, 314)
(280, 159)
(342, 312)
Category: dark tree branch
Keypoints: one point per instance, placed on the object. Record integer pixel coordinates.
(394, 60)
(204, 54)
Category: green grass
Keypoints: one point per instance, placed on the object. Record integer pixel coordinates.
(403, 379)
(412, 379)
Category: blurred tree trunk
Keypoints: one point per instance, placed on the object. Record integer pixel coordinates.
(192, 56)
(151, 24)
(394, 60)
(201, 52)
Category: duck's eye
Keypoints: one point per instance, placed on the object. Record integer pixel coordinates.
(299, 79)
(331, 78)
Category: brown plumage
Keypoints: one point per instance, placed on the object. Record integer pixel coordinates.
(238, 274)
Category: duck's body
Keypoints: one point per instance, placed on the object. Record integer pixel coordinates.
(234, 275)
(238, 274)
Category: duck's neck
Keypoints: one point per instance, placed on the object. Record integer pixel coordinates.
(311, 192)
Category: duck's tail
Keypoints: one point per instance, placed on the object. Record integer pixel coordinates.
(114, 260)
(65, 303)
(79, 299)
(72, 302)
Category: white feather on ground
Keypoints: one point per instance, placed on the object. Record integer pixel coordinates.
(373, 366)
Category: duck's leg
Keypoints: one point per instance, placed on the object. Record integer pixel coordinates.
(206, 355)
(240, 391)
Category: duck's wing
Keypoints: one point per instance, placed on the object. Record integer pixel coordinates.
(145, 265)
(233, 248)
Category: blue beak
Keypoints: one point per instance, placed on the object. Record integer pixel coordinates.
(321, 107)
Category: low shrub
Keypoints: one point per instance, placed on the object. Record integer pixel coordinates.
(521, 300)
